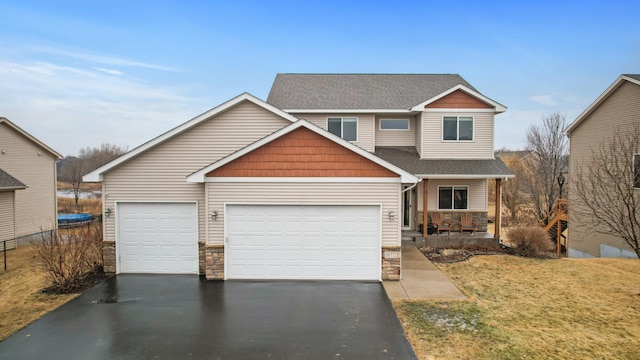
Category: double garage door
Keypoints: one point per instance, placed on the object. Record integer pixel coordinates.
(334, 242)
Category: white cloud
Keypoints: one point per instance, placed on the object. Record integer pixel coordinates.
(546, 100)
(109, 71)
(99, 58)
(69, 107)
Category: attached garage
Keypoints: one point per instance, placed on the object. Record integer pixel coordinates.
(157, 238)
(314, 242)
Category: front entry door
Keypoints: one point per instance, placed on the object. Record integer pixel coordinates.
(406, 209)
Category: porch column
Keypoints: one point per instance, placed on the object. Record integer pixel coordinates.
(425, 209)
(497, 231)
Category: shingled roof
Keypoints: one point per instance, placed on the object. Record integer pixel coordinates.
(359, 91)
(407, 158)
(8, 182)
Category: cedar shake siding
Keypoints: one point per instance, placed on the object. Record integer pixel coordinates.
(315, 193)
(301, 153)
(621, 108)
(159, 174)
(458, 100)
(35, 166)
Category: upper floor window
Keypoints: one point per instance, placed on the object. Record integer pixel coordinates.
(636, 171)
(345, 127)
(453, 197)
(457, 128)
(394, 124)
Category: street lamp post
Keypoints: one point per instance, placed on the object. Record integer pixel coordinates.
(561, 179)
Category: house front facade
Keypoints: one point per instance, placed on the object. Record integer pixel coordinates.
(617, 109)
(33, 164)
(287, 189)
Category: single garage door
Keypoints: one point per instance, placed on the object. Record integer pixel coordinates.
(157, 238)
(303, 242)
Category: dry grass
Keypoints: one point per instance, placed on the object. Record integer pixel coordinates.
(532, 309)
(21, 299)
(88, 206)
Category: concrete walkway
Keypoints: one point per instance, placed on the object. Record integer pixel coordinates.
(421, 280)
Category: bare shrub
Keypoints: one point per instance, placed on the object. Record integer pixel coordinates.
(530, 241)
(69, 257)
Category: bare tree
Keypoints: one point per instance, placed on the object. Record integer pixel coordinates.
(72, 171)
(98, 156)
(548, 159)
(606, 186)
(512, 196)
(88, 159)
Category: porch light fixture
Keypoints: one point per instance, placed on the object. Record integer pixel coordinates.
(214, 214)
(392, 215)
(107, 212)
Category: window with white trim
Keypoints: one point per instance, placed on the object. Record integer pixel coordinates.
(453, 197)
(345, 127)
(394, 124)
(636, 171)
(457, 128)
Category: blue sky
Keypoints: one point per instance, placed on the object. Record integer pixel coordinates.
(80, 73)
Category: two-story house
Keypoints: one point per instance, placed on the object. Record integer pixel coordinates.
(30, 162)
(315, 183)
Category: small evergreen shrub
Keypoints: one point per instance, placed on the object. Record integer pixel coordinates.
(530, 241)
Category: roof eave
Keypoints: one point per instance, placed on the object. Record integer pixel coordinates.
(97, 174)
(200, 175)
(56, 154)
(498, 108)
(585, 114)
(465, 176)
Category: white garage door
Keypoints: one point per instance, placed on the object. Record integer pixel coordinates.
(157, 238)
(303, 242)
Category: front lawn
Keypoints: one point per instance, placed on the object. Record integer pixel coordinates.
(531, 309)
(20, 296)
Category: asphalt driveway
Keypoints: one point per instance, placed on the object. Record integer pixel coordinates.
(186, 317)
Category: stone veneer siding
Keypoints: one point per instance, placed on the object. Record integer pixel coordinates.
(453, 218)
(214, 257)
(202, 258)
(109, 257)
(391, 258)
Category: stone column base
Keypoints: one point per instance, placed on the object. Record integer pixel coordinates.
(214, 257)
(109, 257)
(391, 258)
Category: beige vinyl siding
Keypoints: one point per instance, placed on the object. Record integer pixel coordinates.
(622, 109)
(366, 127)
(396, 137)
(478, 193)
(35, 206)
(160, 173)
(433, 147)
(7, 224)
(418, 134)
(385, 194)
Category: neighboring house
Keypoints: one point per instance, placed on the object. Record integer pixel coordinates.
(8, 187)
(618, 106)
(34, 164)
(250, 191)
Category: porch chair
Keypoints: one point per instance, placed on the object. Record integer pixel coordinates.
(467, 223)
(436, 220)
